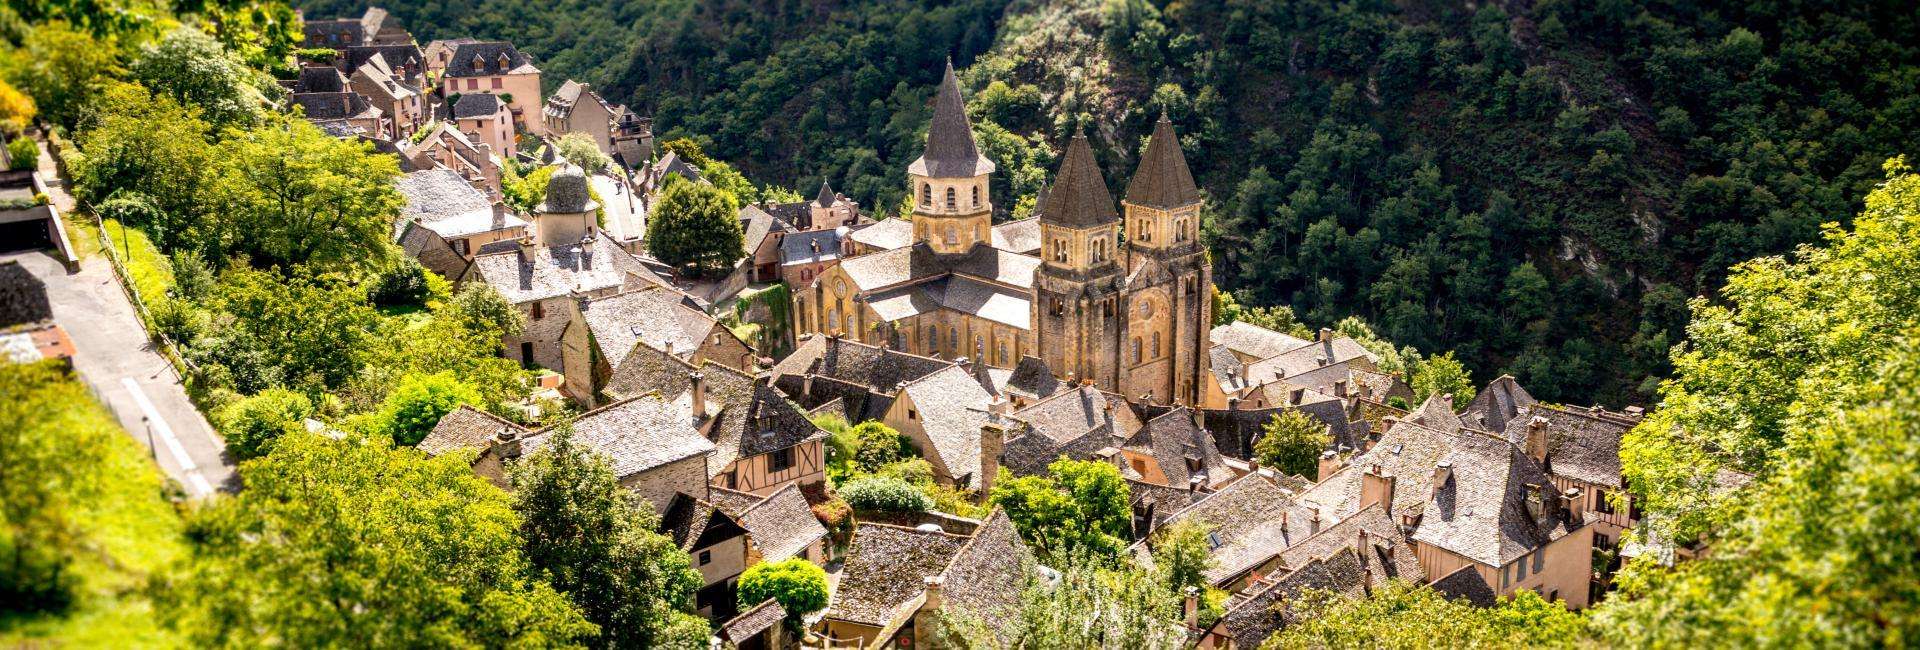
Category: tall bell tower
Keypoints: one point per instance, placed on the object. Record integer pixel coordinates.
(951, 208)
(1169, 287)
(1077, 287)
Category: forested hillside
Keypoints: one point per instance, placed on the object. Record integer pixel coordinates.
(1540, 186)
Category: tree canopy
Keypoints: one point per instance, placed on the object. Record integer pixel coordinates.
(1403, 615)
(1078, 507)
(798, 585)
(1292, 442)
(696, 225)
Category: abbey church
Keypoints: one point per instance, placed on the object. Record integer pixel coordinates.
(1131, 316)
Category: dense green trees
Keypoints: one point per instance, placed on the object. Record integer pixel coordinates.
(252, 425)
(354, 542)
(799, 586)
(1402, 615)
(193, 69)
(1291, 442)
(596, 542)
(1078, 507)
(696, 225)
(1809, 378)
(579, 149)
(419, 401)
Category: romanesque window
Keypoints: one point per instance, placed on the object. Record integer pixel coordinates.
(953, 339)
(833, 319)
(926, 194)
(1106, 308)
(1003, 359)
(1156, 345)
(539, 311)
(951, 236)
(1180, 230)
(1136, 349)
(979, 349)
(976, 196)
(951, 203)
(1059, 308)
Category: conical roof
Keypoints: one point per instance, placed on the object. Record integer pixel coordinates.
(825, 198)
(1162, 181)
(951, 152)
(1078, 198)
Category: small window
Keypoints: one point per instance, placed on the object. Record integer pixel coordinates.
(1136, 350)
(1213, 540)
(1601, 503)
(1540, 560)
(913, 415)
(1505, 571)
(1523, 568)
(953, 339)
(1602, 541)
(494, 82)
(526, 354)
(706, 558)
(951, 236)
(781, 460)
(473, 84)
(951, 203)
(976, 196)
(1002, 356)
(1156, 345)
(462, 246)
(539, 311)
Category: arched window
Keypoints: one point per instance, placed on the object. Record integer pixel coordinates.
(1136, 349)
(833, 319)
(1156, 345)
(926, 194)
(976, 196)
(979, 349)
(1002, 358)
(953, 339)
(951, 236)
(933, 339)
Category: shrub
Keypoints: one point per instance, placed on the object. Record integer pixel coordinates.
(885, 494)
(24, 154)
(916, 471)
(797, 584)
(254, 424)
(878, 445)
(418, 403)
(403, 283)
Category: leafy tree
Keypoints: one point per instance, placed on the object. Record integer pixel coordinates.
(525, 192)
(22, 154)
(297, 329)
(1078, 507)
(51, 470)
(579, 149)
(687, 150)
(193, 69)
(151, 146)
(1095, 604)
(884, 494)
(418, 403)
(1402, 615)
(697, 225)
(16, 110)
(595, 542)
(356, 543)
(1441, 374)
(799, 586)
(1292, 442)
(251, 426)
(302, 196)
(60, 68)
(1182, 556)
(878, 445)
(1808, 378)
(404, 282)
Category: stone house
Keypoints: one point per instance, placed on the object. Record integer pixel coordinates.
(497, 68)
(445, 221)
(853, 379)
(576, 108)
(942, 414)
(444, 146)
(897, 581)
(437, 54)
(655, 450)
(728, 532)
(486, 120)
(405, 109)
(658, 317)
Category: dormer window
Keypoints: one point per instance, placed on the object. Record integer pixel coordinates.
(505, 62)
(479, 64)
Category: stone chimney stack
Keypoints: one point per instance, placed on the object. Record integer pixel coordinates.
(499, 215)
(936, 598)
(806, 385)
(1329, 463)
(1536, 503)
(1191, 607)
(993, 439)
(1326, 335)
(1340, 388)
(699, 390)
(1537, 438)
(1574, 503)
(506, 444)
(1376, 488)
(1442, 472)
(1313, 525)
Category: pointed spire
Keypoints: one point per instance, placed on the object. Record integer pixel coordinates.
(951, 152)
(1162, 181)
(825, 199)
(1079, 197)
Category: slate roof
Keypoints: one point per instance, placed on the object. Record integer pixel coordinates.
(886, 568)
(394, 56)
(477, 106)
(333, 33)
(636, 435)
(951, 152)
(747, 416)
(1582, 444)
(656, 315)
(1481, 512)
(887, 234)
(1075, 422)
(1162, 180)
(952, 406)
(782, 524)
(1307, 357)
(1250, 620)
(1032, 379)
(1079, 198)
(444, 202)
(1382, 533)
(1171, 440)
(755, 226)
(335, 105)
(1021, 236)
(1466, 583)
(696, 523)
(852, 361)
(988, 573)
(1437, 413)
(1406, 451)
(753, 622)
(1497, 404)
(488, 53)
(1253, 341)
(810, 247)
(1254, 518)
(553, 271)
(567, 193)
(465, 427)
(320, 79)
(1010, 307)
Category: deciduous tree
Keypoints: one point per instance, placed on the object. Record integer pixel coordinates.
(1292, 442)
(798, 585)
(696, 225)
(1078, 507)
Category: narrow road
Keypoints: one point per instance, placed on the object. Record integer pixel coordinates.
(115, 358)
(625, 221)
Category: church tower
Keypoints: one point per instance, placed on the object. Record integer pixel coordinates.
(1076, 289)
(1169, 286)
(951, 209)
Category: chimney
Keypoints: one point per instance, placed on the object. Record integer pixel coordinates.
(806, 385)
(669, 346)
(1361, 546)
(1573, 503)
(1320, 360)
(1442, 472)
(993, 438)
(1326, 335)
(1285, 518)
(1375, 488)
(1329, 463)
(526, 249)
(506, 444)
(1296, 396)
(1191, 607)
(1233, 403)
(1109, 455)
(1536, 502)
(1340, 388)
(934, 599)
(1313, 525)
(1537, 438)
(1635, 412)
(1253, 465)
(699, 390)
(499, 215)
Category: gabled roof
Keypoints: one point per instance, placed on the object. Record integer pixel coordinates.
(477, 105)
(695, 523)
(852, 361)
(1032, 379)
(444, 202)
(1312, 356)
(1162, 181)
(1021, 236)
(1498, 404)
(1010, 307)
(951, 152)
(1253, 518)
(753, 622)
(886, 568)
(636, 435)
(1173, 441)
(489, 56)
(1388, 551)
(1437, 413)
(987, 575)
(335, 106)
(1075, 422)
(1582, 444)
(747, 417)
(810, 247)
(465, 427)
(655, 315)
(395, 56)
(1466, 583)
(885, 234)
(1253, 341)
(1481, 512)
(1250, 619)
(1406, 451)
(320, 79)
(782, 524)
(952, 407)
(1078, 198)
(552, 271)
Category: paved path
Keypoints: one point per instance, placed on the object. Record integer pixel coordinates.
(115, 358)
(625, 221)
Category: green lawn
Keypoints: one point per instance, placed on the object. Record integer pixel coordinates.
(125, 529)
(151, 271)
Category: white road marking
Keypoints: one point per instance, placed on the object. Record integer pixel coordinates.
(160, 428)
